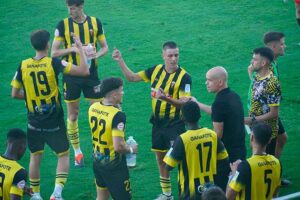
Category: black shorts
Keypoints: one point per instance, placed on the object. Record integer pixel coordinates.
(163, 137)
(74, 85)
(281, 129)
(56, 138)
(114, 177)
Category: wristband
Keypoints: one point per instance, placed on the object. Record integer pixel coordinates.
(131, 150)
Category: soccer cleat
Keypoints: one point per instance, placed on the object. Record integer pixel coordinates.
(56, 197)
(79, 161)
(36, 196)
(164, 197)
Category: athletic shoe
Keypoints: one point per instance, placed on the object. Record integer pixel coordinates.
(36, 196)
(164, 197)
(56, 197)
(79, 161)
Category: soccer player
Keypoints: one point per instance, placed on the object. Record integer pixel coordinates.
(36, 81)
(227, 113)
(259, 176)
(107, 124)
(90, 31)
(276, 42)
(169, 82)
(265, 94)
(199, 153)
(12, 175)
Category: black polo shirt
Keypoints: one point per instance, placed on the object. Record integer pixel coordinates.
(228, 108)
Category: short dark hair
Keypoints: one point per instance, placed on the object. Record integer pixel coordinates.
(110, 84)
(39, 39)
(191, 112)
(15, 135)
(169, 45)
(213, 193)
(265, 52)
(262, 133)
(74, 2)
(273, 36)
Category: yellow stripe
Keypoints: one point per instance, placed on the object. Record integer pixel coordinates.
(143, 76)
(117, 133)
(70, 101)
(222, 155)
(16, 191)
(68, 37)
(68, 68)
(170, 161)
(273, 105)
(38, 152)
(95, 28)
(63, 153)
(101, 37)
(86, 33)
(58, 38)
(158, 150)
(16, 84)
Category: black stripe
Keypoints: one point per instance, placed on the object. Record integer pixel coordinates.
(81, 33)
(90, 27)
(43, 102)
(34, 105)
(154, 83)
(248, 186)
(185, 172)
(71, 30)
(171, 91)
(158, 103)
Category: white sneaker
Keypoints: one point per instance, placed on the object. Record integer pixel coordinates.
(36, 196)
(56, 197)
(164, 197)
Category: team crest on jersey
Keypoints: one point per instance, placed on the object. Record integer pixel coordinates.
(21, 184)
(172, 84)
(120, 126)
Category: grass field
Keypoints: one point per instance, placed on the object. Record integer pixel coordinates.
(209, 33)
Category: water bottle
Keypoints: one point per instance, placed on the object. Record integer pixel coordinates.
(89, 53)
(131, 157)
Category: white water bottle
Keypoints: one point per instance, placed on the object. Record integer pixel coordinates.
(131, 157)
(89, 53)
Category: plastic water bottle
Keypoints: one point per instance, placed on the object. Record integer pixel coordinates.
(89, 53)
(131, 157)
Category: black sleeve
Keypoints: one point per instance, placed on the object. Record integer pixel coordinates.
(18, 75)
(218, 111)
(244, 172)
(100, 27)
(61, 29)
(57, 66)
(119, 120)
(20, 177)
(186, 80)
(178, 149)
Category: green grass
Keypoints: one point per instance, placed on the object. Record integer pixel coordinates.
(209, 33)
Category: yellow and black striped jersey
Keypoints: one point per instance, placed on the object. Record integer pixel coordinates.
(106, 122)
(175, 85)
(266, 93)
(196, 152)
(39, 79)
(257, 178)
(90, 31)
(12, 178)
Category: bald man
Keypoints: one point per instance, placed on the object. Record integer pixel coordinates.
(226, 112)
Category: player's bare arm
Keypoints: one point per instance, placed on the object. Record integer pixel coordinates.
(83, 69)
(160, 94)
(130, 75)
(103, 50)
(272, 114)
(121, 147)
(57, 51)
(202, 106)
(17, 93)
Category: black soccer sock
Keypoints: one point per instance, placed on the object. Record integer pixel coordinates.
(298, 20)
